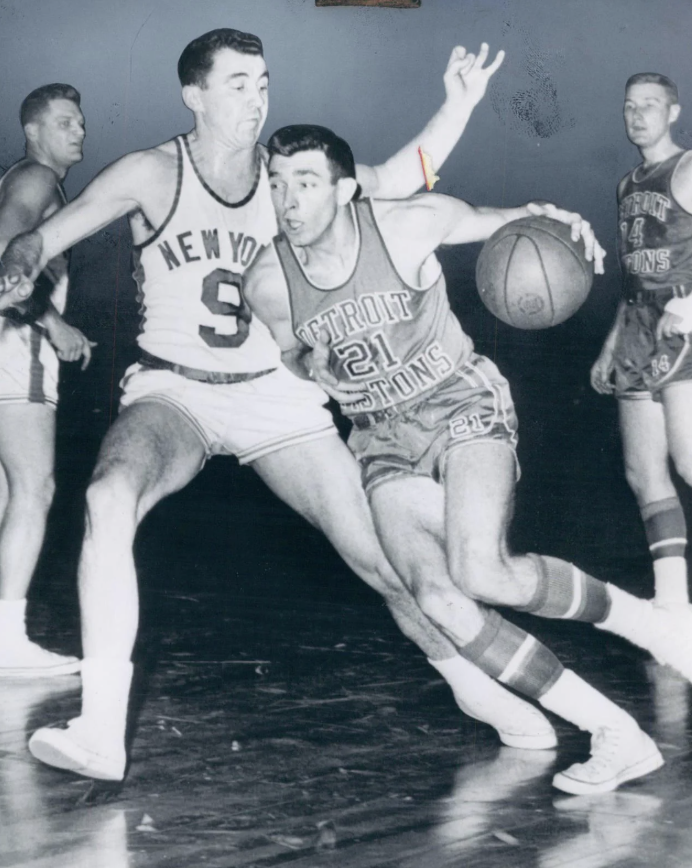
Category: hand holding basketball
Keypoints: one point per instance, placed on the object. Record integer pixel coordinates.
(580, 229)
(532, 273)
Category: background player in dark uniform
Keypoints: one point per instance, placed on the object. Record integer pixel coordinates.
(435, 431)
(30, 191)
(646, 360)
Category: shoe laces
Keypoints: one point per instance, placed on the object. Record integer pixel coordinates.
(605, 743)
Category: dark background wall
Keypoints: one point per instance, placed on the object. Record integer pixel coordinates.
(550, 127)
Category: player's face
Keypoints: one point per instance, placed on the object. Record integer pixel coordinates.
(234, 99)
(304, 194)
(60, 132)
(648, 114)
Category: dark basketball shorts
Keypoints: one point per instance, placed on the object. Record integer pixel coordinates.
(644, 365)
(473, 405)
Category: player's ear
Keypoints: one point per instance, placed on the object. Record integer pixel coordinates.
(345, 190)
(674, 112)
(31, 131)
(191, 97)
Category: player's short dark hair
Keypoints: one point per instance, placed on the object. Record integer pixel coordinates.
(295, 138)
(666, 83)
(198, 56)
(38, 100)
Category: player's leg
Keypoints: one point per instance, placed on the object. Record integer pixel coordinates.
(321, 481)
(646, 452)
(27, 443)
(150, 452)
(409, 517)
(479, 485)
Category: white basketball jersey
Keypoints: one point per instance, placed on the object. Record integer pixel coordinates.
(189, 277)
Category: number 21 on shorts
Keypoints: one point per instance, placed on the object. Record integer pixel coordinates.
(465, 426)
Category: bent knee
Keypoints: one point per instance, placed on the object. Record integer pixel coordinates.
(480, 577)
(446, 606)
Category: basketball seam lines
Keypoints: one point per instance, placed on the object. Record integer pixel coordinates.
(545, 277)
(507, 269)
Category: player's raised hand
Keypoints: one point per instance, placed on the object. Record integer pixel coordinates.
(318, 361)
(580, 229)
(466, 77)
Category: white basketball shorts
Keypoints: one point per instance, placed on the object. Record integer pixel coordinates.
(249, 420)
(28, 366)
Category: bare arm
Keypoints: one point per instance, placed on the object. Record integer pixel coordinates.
(27, 196)
(430, 221)
(677, 314)
(465, 82)
(265, 290)
(112, 194)
(602, 368)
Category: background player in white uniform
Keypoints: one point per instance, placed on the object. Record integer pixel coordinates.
(210, 378)
(646, 360)
(435, 431)
(30, 191)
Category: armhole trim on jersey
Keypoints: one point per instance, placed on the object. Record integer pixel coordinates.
(215, 196)
(279, 256)
(176, 199)
(432, 283)
(674, 197)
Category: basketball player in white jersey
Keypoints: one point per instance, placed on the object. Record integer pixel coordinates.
(646, 360)
(210, 379)
(30, 191)
(434, 430)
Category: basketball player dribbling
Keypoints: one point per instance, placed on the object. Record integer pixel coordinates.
(646, 360)
(354, 290)
(210, 379)
(30, 191)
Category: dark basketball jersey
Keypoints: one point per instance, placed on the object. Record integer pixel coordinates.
(396, 341)
(655, 232)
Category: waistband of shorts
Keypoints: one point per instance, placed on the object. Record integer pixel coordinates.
(217, 378)
(367, 420)
(664, 293)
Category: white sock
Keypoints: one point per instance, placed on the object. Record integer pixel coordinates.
(454, 670)
(581, 704)
(12, 620)
(629, 616)
(670, 581)
(105, 692)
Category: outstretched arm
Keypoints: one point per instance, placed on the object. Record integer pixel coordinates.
(466, 80)
(445, 220)
(110, 195)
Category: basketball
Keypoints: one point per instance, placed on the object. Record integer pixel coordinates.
(531, 275)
